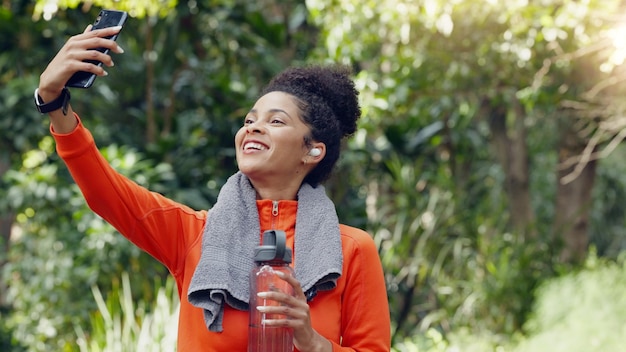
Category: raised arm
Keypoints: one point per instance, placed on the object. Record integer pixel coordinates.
(158, 225)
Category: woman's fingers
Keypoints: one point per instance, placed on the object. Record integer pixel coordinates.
(289, 312)
(78, 54)
(89, 41)
(293, 312)
(297, 287)
(102, 32)
(96, 55)
(294, 307)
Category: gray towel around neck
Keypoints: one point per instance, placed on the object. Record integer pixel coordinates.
(231, 233)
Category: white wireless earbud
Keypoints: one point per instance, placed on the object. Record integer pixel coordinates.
(315, 152)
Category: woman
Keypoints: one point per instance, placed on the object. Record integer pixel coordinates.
(288, 144)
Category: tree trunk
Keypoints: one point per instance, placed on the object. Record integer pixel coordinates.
(151, 124)
(573, 200)
(6, 223)
(510, 148)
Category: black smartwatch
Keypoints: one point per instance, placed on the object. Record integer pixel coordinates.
(59, 103)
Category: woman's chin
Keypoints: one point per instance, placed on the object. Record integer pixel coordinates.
(250, 171)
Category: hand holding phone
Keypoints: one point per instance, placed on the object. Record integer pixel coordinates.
(105, 19)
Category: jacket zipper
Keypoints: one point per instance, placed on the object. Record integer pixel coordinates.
(274, 213)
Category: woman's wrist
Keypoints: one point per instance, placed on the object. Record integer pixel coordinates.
(63, 123)
(47, 94)
(319, 344)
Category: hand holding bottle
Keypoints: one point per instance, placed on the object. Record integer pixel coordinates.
(297, 316)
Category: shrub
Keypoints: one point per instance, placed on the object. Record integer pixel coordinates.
(584, 311)
(120, 325)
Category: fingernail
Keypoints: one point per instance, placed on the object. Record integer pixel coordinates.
(106, 73)
(262, 294)
(280, 274)
(117, 28)
(119, 50)
(261, 308)
(112, 63)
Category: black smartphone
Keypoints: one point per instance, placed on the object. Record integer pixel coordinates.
(106, 18)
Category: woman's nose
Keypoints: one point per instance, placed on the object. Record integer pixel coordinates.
(253, 128)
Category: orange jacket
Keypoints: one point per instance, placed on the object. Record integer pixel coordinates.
(354, 316)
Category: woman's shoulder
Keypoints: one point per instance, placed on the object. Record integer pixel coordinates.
(356, 237)
(360, 253)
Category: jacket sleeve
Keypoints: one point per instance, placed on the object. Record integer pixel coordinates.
(365, 316)
(158, 225)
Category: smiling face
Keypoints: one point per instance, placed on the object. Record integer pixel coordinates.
(270, 145)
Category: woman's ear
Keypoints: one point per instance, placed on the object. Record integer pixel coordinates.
(316, 153)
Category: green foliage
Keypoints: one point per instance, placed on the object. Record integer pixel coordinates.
(7, 342)
(139, 9)
(583, 311)
(436, 190)
(580, 311)
(124, 324)
(609, 213)
(432, 341)
(53, 267)
(461, 340)
(447, 272)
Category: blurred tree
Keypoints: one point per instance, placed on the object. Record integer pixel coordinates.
(451, 89)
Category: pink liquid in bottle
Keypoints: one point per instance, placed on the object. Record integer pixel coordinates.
(270, 257)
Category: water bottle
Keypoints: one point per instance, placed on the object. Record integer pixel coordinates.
(271, 256)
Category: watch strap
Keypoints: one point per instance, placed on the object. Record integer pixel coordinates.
(61, 102)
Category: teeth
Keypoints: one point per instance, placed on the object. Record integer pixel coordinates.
(257, 146)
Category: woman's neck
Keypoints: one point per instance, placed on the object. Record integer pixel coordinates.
(276, 194)
(288, 191)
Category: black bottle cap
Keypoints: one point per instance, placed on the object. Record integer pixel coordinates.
(273, 248)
